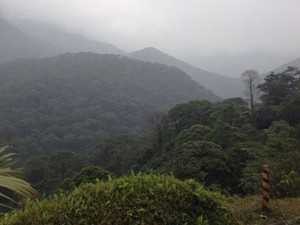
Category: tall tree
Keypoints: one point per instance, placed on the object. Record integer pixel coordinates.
(251, 80)
(278, 85)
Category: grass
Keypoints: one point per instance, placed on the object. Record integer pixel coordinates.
(249, 210)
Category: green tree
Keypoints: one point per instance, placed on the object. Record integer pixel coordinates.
(278, 85)
(233, 111)
(118, 154)
(184, 116)
(290, 108)
(65, 163)
(204, 161)
(281, 137)
(89, 175)
(38, 172)
(265, 116)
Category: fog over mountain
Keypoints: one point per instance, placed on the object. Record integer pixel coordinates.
(293, 63)
(27, 39)
(63, 41)
(220, 36)
(234, 64)
(221, 85)
(15, 43)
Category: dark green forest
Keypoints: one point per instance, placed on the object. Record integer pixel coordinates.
(72, 101)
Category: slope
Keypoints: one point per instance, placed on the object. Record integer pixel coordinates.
(63, 41)
(293, 63)
(70, 101)
(14, 44)
(220, 85)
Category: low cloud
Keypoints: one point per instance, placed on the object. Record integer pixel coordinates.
(199, 27)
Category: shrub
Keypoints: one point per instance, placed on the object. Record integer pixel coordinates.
(138, 199)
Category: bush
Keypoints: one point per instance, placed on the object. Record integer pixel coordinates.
(140, 199)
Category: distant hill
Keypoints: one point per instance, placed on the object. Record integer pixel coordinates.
(63, 41)
(15, 43)
(234, 64)
(221, 85)
(294, 63)
(71, 101)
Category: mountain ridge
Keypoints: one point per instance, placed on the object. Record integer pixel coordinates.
(222, 86)
(64, 41)
(14, 43)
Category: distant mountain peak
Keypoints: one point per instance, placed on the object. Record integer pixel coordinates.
(151, 49)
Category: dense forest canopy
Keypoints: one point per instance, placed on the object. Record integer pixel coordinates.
(218, 144)
(71, 101)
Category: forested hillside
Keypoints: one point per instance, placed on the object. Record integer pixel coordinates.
(212, 141)
(201, 140)
(223, 86)
(71, 101)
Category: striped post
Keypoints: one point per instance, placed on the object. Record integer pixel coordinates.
(266, 188)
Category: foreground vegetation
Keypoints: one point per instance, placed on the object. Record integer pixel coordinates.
(10, 181)
(140, 199)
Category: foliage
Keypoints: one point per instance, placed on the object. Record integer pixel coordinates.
(289, 185)
(72, 101)
(278, 85)
(201, 140)
(184, 116)
(202, 160)
(48, 172)
(232, 111)
(118, 154)
(280, 137)
(286, 175)
(90, 174)
(265, 116)
(290, 108)
(10, 180)
(38, 172)
(150, 199)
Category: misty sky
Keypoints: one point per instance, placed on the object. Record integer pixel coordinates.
(184, 28)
